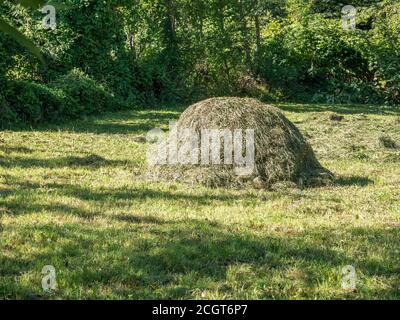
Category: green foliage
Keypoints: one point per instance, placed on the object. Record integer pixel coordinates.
(313, 58)
(32, 103)
(19, 36)
(87, 96)
(146, 52)
(70, 96)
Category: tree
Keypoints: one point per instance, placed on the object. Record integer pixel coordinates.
(19, 36)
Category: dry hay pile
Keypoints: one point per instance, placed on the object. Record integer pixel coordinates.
(282, 155)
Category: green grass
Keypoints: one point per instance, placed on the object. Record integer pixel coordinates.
(73, 196)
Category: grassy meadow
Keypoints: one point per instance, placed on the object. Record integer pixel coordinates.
(74, 196)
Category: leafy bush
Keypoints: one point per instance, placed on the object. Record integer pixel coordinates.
(315, 59)
(172, 51)
(30, 102)
(71, 96)
(87, 95)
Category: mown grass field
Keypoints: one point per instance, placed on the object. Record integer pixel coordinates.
(73, 196)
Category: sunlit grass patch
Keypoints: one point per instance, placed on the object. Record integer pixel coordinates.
(73, 196)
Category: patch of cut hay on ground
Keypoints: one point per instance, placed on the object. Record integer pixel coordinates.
(282, 155)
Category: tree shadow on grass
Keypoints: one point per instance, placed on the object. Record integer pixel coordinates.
(347, 181)
(124, 122)
(341, 108)
(132, 193)
(95, 161)
(144, 193)
(189, 248)
(9, 149)
(174, 260)
(132, 122)
(91, 160)
(145, 256)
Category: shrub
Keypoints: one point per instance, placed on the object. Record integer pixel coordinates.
(87, 95)
(313, 58)
(70, 96)
(30, 102)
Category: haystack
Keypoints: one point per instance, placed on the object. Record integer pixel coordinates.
(281, 153)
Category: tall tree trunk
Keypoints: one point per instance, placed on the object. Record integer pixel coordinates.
(223, 35)
(171, 42)
(171, 21)
(245, 36)
(258, 40)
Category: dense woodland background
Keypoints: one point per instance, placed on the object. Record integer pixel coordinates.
(110, 55)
